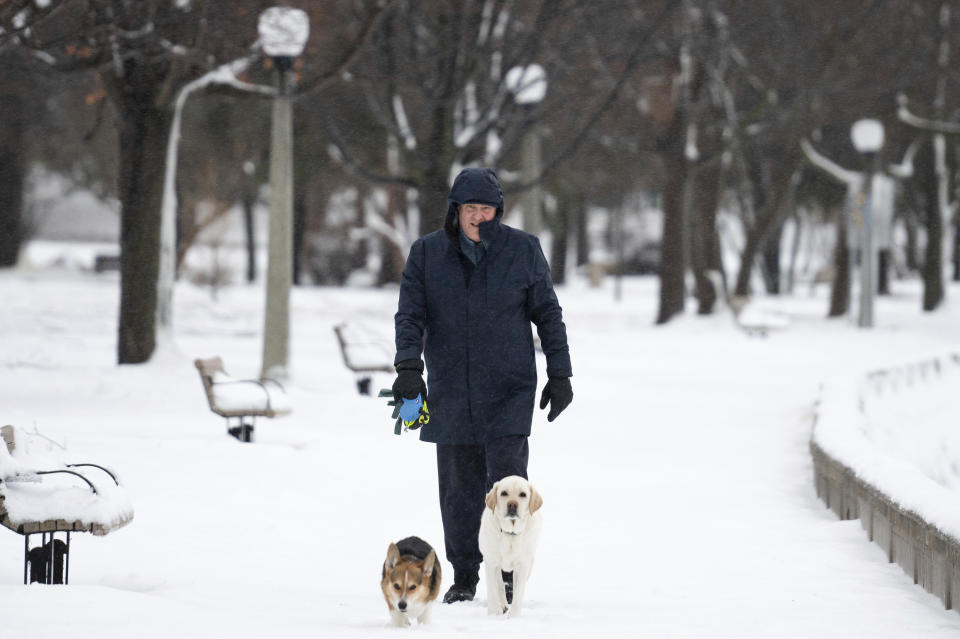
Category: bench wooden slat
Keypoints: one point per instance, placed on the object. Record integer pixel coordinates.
(363, 353)
(265, 400)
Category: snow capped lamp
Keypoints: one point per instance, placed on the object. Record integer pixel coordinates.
(867, 137)
(283, 33)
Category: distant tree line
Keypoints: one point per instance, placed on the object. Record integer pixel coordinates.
(701, 104)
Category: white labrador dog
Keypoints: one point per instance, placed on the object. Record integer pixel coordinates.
(509, 529)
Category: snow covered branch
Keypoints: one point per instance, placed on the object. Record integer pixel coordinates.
(225, 74)
(911, 119)
(851, 178)
(904, 169)
(398, 233)
(403, 124)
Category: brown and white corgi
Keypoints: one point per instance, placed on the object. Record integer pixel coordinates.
(410, 580)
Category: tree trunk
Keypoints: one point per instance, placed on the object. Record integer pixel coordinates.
(926, 181)
(391, 257)
(144, 130)
(299, 231)
(433, 197)
(391, 264)
(435, 183)
(558, 251)
(583, 238)
(12, 176)
(770, 216)
(956, 251)
(933, 287)
(840, 291)
(884, 260)
(672, 259)
(771, 261)
(704, 241)
(911, 226)
(249, 200)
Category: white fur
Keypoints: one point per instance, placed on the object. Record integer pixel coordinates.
(420, 612)
(509, 543)
(415, 610)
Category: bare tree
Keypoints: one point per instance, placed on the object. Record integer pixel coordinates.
(145, 51)
(435, 82)
(924, 107)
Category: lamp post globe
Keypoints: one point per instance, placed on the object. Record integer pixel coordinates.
(283, 31)
(867, 135)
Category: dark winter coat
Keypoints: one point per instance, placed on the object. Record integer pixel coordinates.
(473, 323)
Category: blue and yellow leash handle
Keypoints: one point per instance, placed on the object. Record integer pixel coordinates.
(410, 413)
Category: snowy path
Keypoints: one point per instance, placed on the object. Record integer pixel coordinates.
(677, 487)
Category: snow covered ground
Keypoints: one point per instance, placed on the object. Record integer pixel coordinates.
(678, 496)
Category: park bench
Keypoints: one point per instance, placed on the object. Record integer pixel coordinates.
(364, 352)
(748, 317)
(240, 401)
(754, 321)
(40, 493)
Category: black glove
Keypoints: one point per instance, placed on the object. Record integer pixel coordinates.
(409, 382)
(558, 393)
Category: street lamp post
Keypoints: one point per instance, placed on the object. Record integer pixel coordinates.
(529, 86)
(283, 33)
(867, 136)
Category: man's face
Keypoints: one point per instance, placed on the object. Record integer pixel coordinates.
(471, 215)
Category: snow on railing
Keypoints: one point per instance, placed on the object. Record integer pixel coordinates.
(885, 450)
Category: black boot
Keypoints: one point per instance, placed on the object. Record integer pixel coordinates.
(508, 585)
(464, 587)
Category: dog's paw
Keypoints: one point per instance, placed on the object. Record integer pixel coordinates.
(398, 620)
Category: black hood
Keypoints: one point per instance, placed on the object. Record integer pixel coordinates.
(474, 185)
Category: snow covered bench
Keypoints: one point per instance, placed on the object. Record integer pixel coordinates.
(242, 400)
(754, 320)
(42, 493)
(364, 352)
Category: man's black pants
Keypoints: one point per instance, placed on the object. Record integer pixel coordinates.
(466, 474)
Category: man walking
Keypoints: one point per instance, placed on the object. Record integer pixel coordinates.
(469, 295)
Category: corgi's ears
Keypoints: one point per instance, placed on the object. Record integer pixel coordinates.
(535, 500)
(492, 497)
(429, 563)
(393, 557)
